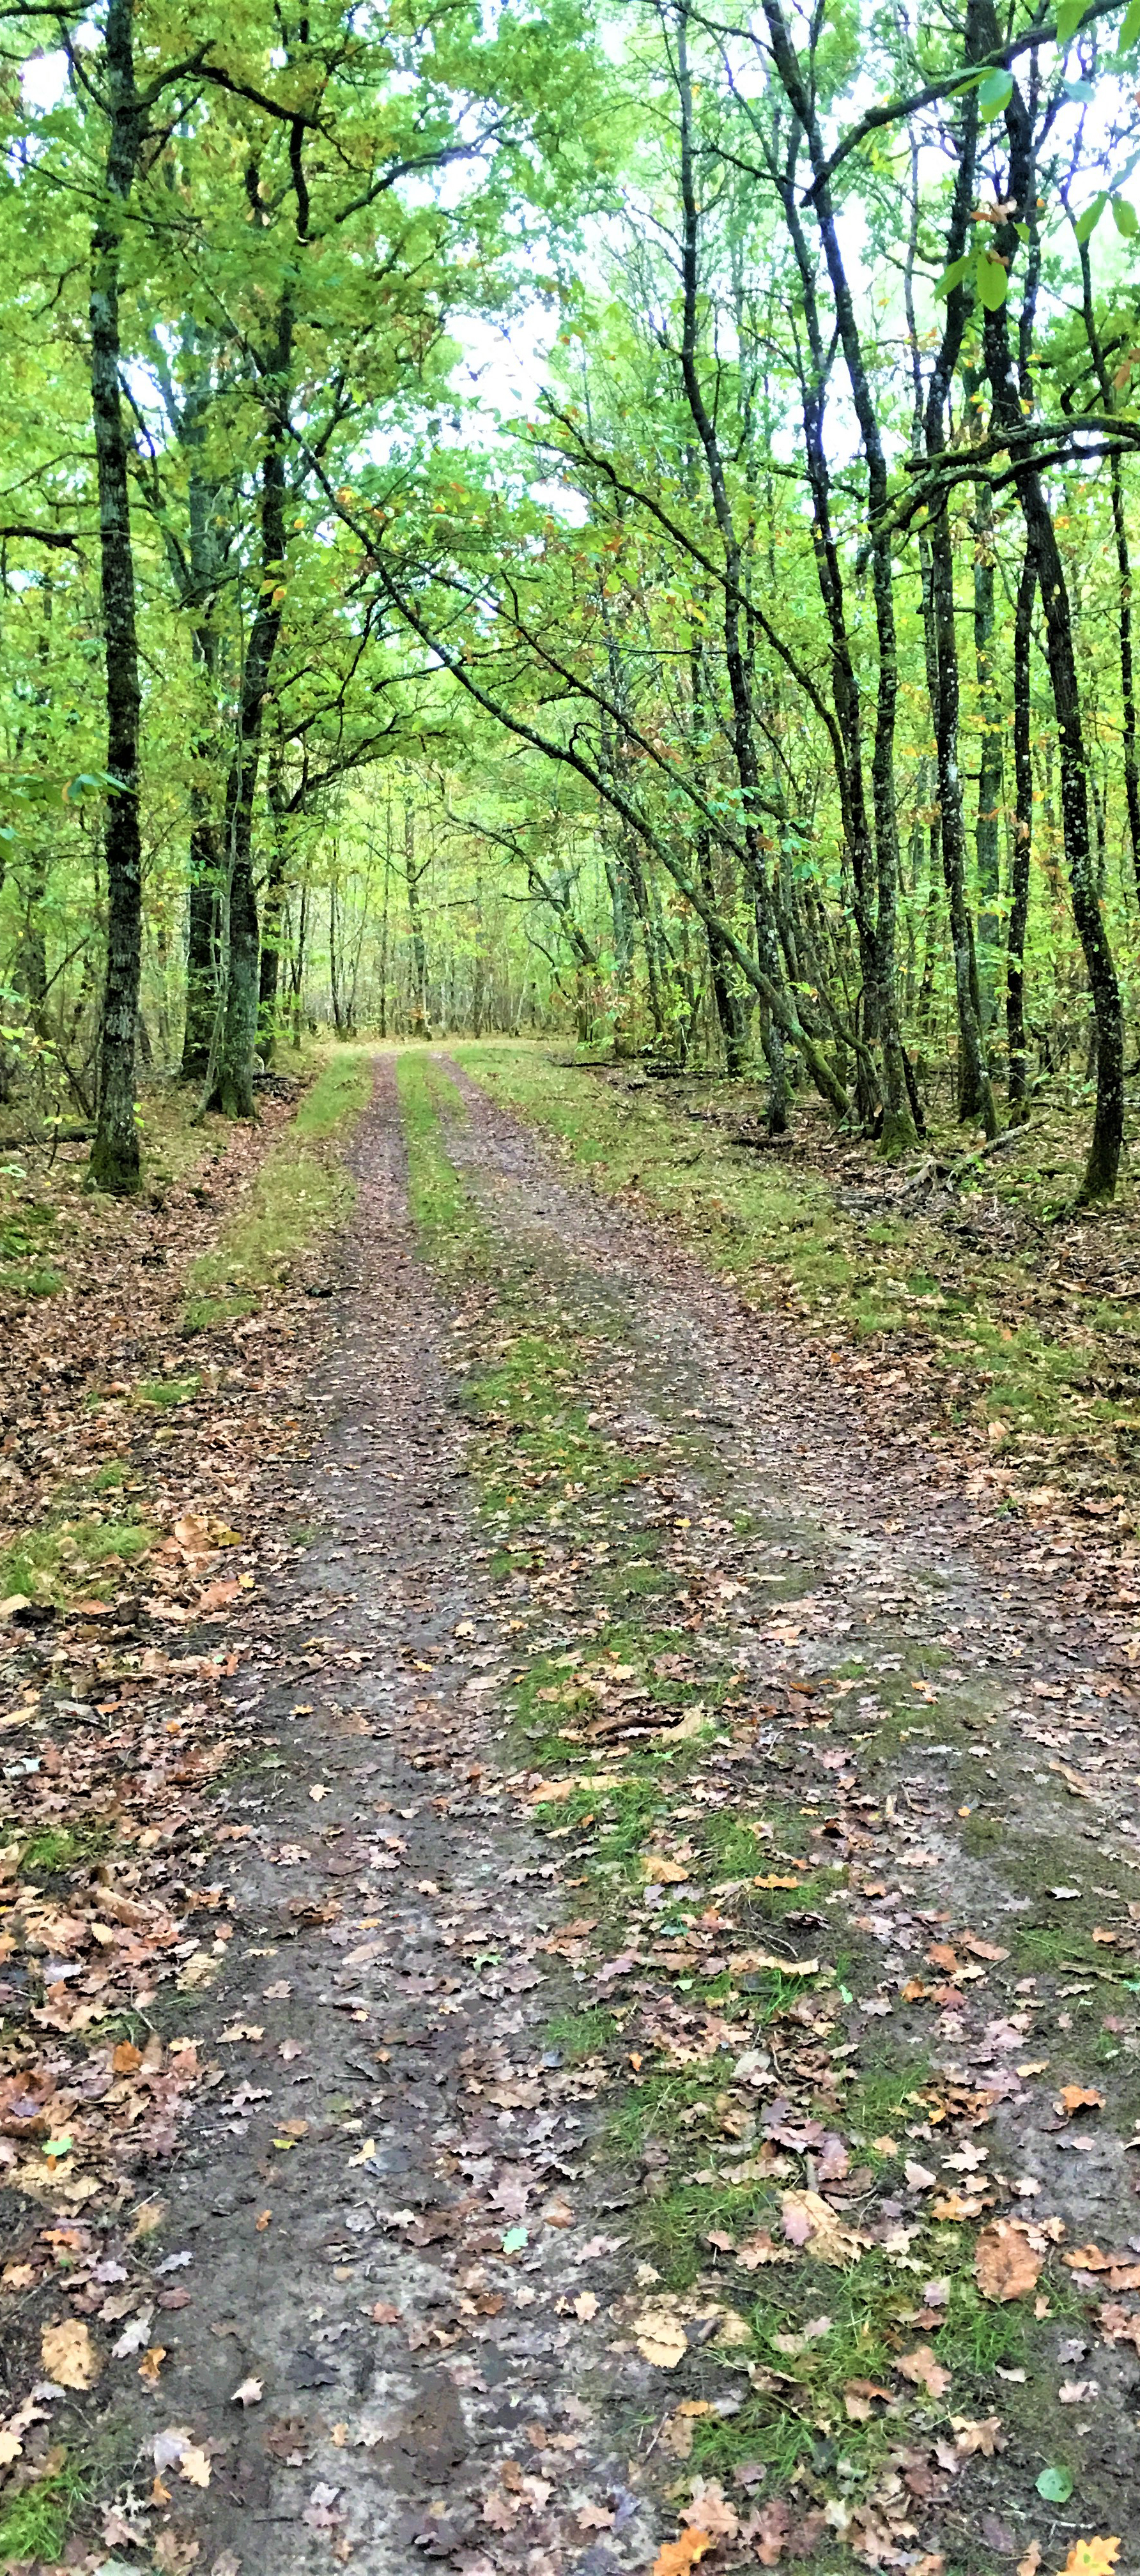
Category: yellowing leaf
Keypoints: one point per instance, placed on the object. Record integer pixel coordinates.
(68, 2354)
(1092, 2558)
(677, 2555)
(660, 2338)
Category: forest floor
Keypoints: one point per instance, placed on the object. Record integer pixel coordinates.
(570, 1986)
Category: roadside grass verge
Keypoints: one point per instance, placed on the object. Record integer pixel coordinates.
(301, 1191)
(1015, 1313)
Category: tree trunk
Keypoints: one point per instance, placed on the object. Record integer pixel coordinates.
(114, 1162)
(975, 1091)
(987, 827)
(1022, 840)
(421, 1017)
(742, 731)
(1103, 1164)
(202, 944)
(899, 1132)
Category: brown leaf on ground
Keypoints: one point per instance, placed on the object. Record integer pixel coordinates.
(983, 2434)
(768, 2531)
(810, 2221)
(68, 2354)
(1005, 2265)
(923, 2368)
(1079, 2097)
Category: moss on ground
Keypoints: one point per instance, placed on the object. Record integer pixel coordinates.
(1038, 1363)
(302, 1191)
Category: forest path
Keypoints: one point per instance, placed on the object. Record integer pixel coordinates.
(563, 2184)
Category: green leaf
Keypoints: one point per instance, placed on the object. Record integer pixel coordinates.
(1125, 217)
(992, 282)
(1069, 17)
(1130, 29)
(1087, 223)
(953, 276)
(1081, 91)
(1055, 2483)
(994, 95)
(515, 2239)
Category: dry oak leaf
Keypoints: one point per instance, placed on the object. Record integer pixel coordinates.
(660, 2338)
(660, 1872)
(1028, 2566)
(1091, 2558)
(923, 2368)
(982, 2433)
(710, 2511)
(1005, 2266)
(68, 2354)
(677, 2555)
(809, 2220)
(1079, 2097)
(249, 2393)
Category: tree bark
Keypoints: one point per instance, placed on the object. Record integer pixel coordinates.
(975, 1091)
(115, 1161)
(899, 1133)
(272, 910)
(1124, 577)
(1022, 840)
(1102, 1167)
(987, 826)
(743, 730)
(421, 1017)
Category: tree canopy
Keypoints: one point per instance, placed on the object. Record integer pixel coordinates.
(757, 686)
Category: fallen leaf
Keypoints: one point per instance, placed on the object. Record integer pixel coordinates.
(1091, 2558)
(1079, 2097)
(148, 2219)
(1005, 2265)
(677, 2555)
(151, 2364)
(810, 2221)
(660, 1872)
(710, 2512)
(586, 2306)
(249, 2393)
(660, 2338)
(923, 2368)
(1028, 2566)
(194, 2465)
(983, 2434)
(68, 2354)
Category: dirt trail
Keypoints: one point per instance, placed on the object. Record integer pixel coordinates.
(398, 2214)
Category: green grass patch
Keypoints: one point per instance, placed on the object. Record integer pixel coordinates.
(36, 2523)
(167, 1391)
(774, 1222)
(301, 1191)
(52, 1563)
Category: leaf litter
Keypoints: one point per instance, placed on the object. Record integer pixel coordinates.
(663, 2194)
